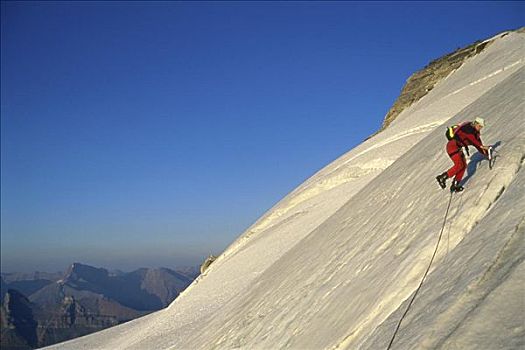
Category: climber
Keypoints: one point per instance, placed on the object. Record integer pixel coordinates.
(462, 135)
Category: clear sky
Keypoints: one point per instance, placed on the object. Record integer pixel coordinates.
(153, 133)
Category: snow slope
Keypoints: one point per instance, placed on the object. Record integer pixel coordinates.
(334, 264)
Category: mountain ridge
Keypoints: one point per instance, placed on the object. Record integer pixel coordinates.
(83, 300)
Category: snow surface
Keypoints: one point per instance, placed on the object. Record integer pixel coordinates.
(334, 264)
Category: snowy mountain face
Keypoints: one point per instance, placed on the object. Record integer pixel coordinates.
(335, 263)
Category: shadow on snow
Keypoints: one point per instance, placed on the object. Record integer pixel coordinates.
(474, 162)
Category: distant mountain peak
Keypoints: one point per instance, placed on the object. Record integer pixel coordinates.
(78, 272)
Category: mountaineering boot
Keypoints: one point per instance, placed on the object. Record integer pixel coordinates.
(456, 187)
(442, 180)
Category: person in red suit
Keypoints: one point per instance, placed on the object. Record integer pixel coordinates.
(466, 134)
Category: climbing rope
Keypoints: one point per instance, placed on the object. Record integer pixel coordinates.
(424, 276)
(458, 210)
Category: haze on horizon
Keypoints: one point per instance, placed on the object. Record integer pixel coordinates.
(152, 134)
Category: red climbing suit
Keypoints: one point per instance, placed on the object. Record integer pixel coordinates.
(465, 135)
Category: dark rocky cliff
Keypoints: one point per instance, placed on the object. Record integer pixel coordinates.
(17, 322)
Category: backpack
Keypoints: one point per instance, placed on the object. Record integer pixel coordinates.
(451, 132)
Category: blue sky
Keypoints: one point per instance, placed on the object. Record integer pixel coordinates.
(153, 133)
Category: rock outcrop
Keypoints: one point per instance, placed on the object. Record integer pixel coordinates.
(424, 80)
(209, 260)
